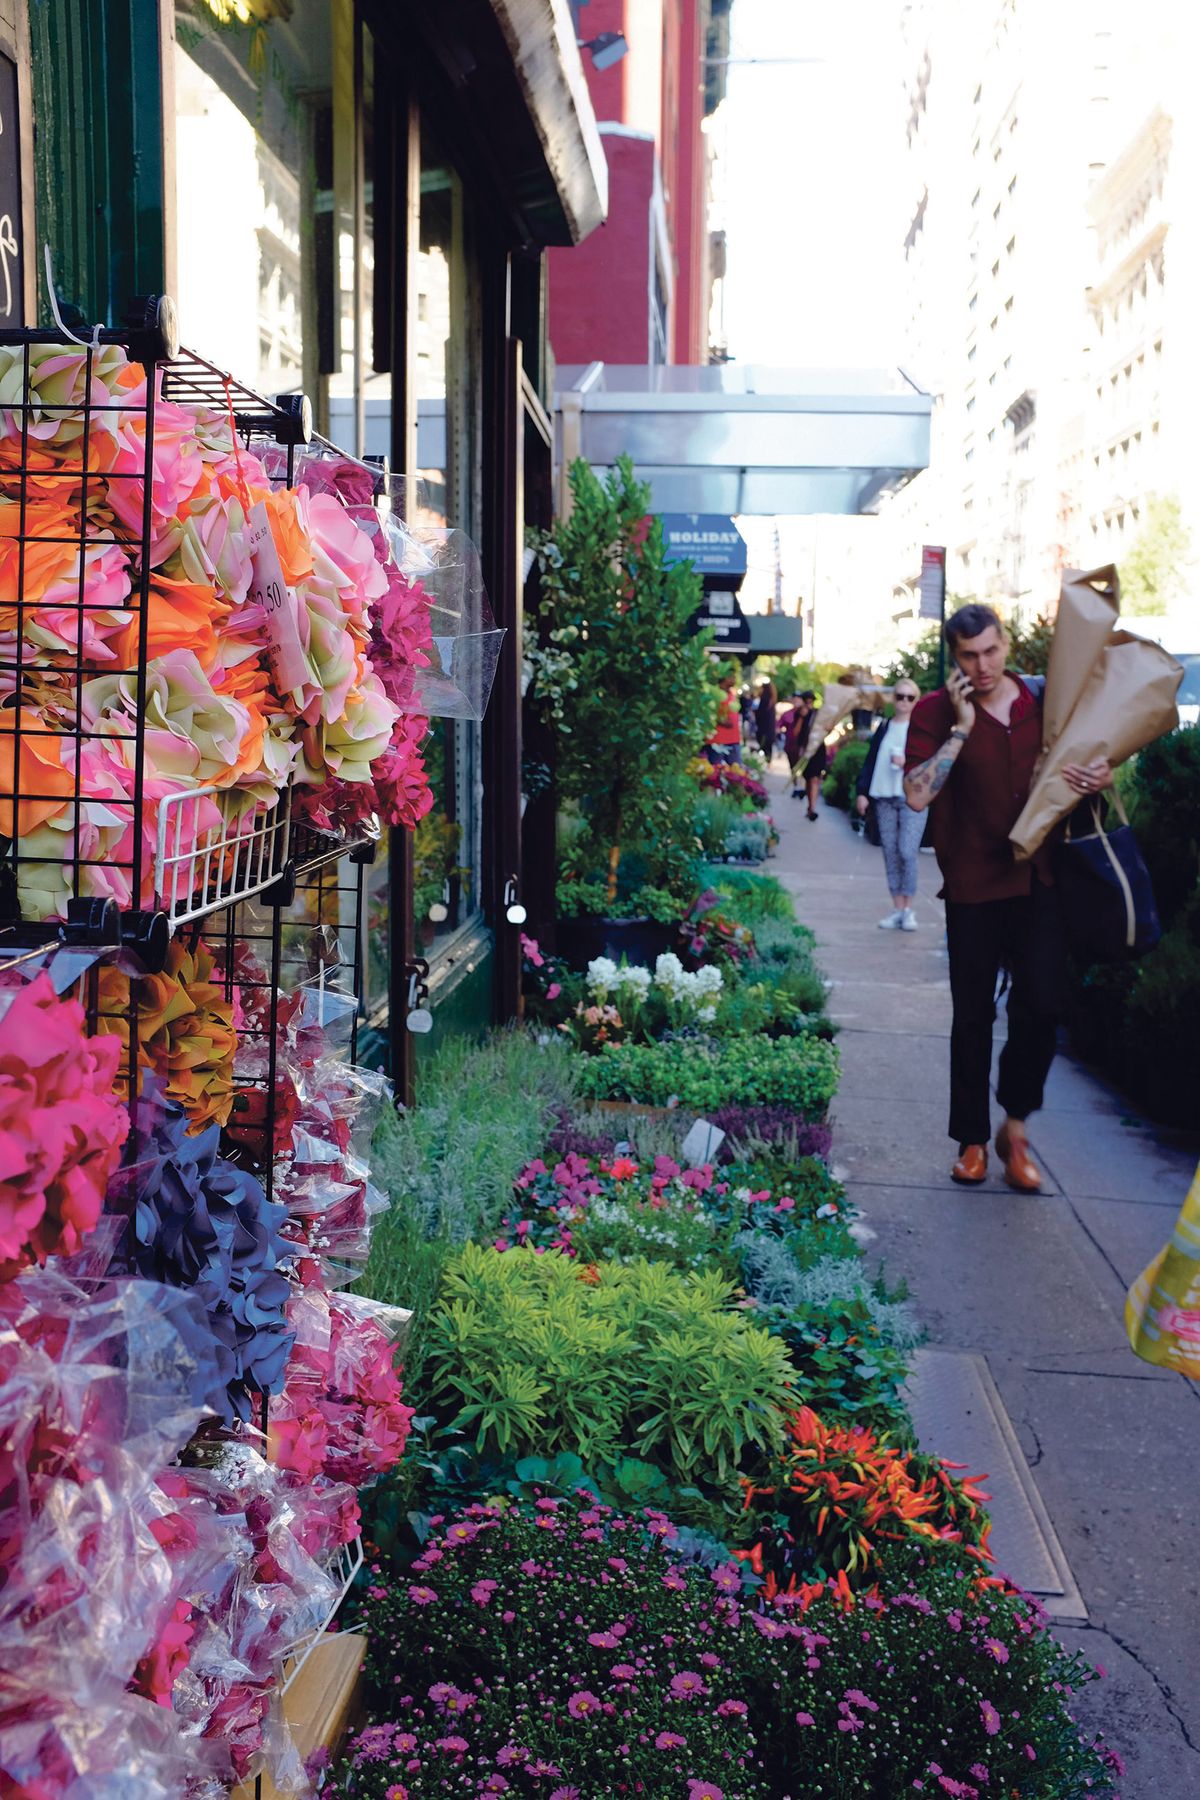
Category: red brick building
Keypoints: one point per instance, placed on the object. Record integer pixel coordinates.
(638, 290)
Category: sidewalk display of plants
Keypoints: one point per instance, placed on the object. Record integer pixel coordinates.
(662, 1527)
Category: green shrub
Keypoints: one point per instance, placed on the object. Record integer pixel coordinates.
(750, 838)
(800, 1072)
(624, 687)
(748, 897)
(533, 1355)
(781, 940)
(1161, 1013)
(840, 782)
(483, 1110)
(1164, 796)
(715, 816)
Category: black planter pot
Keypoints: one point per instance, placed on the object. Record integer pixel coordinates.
(637, 940)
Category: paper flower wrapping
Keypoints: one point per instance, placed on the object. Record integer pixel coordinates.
(61, 1125)
(202, 1224)
(185, 1031)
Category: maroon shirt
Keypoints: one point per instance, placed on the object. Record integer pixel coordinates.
(983, 796)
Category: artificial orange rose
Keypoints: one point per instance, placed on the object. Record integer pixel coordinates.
(45, 561)
(182, 615)
(185, 1031)
(42, 777)
(291, 540)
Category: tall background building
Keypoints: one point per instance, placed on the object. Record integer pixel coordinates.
(1052, 257)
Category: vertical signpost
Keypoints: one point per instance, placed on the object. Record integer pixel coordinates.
(933, 597)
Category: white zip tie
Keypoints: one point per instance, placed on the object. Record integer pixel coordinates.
(84, 343)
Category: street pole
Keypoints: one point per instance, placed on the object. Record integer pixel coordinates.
(942, 638)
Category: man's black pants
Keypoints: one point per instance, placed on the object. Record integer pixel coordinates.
(1025, 937)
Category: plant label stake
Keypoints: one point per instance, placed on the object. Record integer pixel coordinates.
(268, 589)
(701, 1144)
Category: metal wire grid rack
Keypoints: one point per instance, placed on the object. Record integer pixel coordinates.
(83, 881)
(79, 814)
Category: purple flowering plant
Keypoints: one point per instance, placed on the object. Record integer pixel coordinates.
(562, 1649)
(938, 1682)
(556, 1649)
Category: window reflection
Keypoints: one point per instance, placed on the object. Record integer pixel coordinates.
(447, 848)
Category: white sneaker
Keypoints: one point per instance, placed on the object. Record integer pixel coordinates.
(908, 919)
(893, 922)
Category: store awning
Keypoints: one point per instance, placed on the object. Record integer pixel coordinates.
(743, 439)
(518, 69)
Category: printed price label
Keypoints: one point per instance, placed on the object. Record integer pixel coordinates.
(268, 589)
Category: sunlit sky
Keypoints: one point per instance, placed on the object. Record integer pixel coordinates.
(811, 173)
(814, 153)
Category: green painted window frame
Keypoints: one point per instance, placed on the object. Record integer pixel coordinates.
(97, 69)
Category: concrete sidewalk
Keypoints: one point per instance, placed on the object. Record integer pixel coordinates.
(1034, 1283)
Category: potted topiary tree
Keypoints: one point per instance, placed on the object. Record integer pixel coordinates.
(627, 689)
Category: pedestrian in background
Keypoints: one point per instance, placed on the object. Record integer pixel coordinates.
(764, 719)
(971, 753)
(881, 787)
(726, 742)
(808, 761)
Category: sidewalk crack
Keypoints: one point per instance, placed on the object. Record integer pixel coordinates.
(1167, 1693)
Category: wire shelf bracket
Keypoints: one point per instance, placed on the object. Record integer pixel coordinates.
(203, 863)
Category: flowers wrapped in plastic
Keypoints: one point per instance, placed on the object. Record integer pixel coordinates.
(61, 1124)
(101, 1385)
(201, 1223)
(340, 1412)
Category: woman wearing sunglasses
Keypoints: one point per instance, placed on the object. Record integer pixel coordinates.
(881, 785)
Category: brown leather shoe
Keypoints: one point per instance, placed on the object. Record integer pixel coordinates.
(1020, 1170)
(971, 1166)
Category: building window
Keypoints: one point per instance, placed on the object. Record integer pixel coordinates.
(1007, 364)
(1010, 246)
(996, 209)
(447, 844)
(971, 354)
(1008, 304)
(975, 199)
(995, 269)
(972, 303)
(971, 405)
(1012, 186)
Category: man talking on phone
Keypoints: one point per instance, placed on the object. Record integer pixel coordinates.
(971, 752)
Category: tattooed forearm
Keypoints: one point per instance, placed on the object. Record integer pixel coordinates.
(927, 780)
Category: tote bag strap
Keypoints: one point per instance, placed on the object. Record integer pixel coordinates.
(1118, 868)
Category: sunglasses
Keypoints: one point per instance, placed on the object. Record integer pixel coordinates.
(906, 696)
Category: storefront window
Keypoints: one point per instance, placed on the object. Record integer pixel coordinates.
(274, 141)
(447, 849)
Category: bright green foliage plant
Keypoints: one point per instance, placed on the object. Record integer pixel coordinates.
(534, 1354)
(748, 897)
(625, 686)
(802, 1072)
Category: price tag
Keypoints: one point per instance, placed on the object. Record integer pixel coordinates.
(268, 589)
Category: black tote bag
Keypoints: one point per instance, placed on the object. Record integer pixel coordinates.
(1107, 895)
